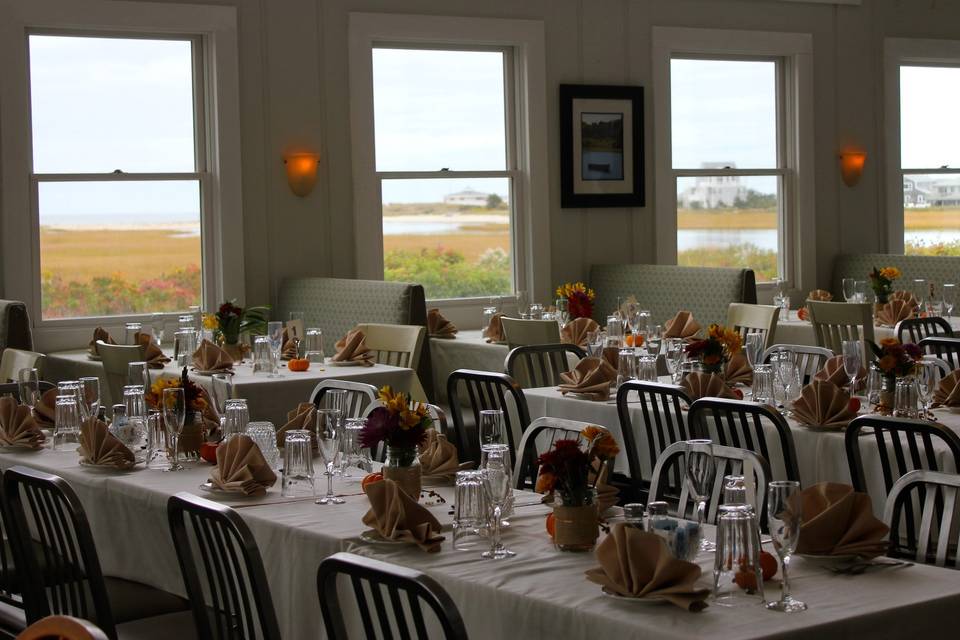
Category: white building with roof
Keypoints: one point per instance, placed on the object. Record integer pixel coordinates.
(711, 192)
(467, 198)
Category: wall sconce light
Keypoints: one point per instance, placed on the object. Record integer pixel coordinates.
(851, 166)
(302, 172)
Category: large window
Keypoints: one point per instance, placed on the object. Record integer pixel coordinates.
(118, 171)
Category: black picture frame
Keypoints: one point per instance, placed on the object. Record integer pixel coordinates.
(604, 176)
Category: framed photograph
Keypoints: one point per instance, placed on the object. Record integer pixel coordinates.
(601, 146)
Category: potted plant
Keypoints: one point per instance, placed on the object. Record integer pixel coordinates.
(402, 426)
(893, 360)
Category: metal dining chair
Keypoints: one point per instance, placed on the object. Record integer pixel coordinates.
(540, 365)
(740, 423)
(357, 402)
(809, 360)
(398, 596)
(944, 347)
(473, 391)
(231, 600)
(537, 440)
(932, 536)
(916, 329)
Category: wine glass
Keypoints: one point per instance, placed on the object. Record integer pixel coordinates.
(221, 390)
(784, 517)
(753, 346)
(926, 374)
(328, 441)
(849, 289)
(851, 362)
(949, 298)
(28, 385)
(174, 404)
(920, 291)
(523, 306)
(700, 469)
(490, 429)
(157, 327)
(90, 395)
(275, 334)
(497, 484)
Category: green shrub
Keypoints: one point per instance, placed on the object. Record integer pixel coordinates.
(748, 256)
(932, 249)
(446, 274)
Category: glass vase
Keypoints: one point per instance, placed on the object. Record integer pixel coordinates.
(403, 467)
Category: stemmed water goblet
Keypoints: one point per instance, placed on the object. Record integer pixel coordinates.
(699, 473)
(949, 298)
(783, 518)
(926, 374)
(275, 334)
(28, 386)
(174, 406)
(490, 430)
(328, 441)
(497, 482)
(851, 362)
(674, 355)
(89, 396)
(850, 289)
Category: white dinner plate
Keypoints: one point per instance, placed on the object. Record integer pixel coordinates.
(647, 600)
(348, 363)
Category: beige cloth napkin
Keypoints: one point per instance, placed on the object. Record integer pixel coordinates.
(397, 516)
(905, 296)
(438, 326)
(611, 355)
(820, 295)
(210, 357)
(99, 334)
(592, 378)
(738, 370)
(290, 345)
(45, 411)
(439, 460)
(493, 332)
(575, 331)
(152, 353)
(101, 448)
(681, 325)
(823, 404)
(638, 564)
(17, 426)
(304, 416)
(894, 311)
(834, 372)
(706, 385)
(241, 467)
(607, 494)
(352, 348)
(838, 521)
(948, 391)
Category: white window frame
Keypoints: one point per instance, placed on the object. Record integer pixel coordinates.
(910, 52)
(526, 130)
(217, 127)
(794, 53)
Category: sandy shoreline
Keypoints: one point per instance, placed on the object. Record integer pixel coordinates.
(131, 226)
(459, 218)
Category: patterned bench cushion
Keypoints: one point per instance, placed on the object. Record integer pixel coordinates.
(665, 289)
(938, 269)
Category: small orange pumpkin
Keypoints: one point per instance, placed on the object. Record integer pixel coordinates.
(370, 478)
(298, 364)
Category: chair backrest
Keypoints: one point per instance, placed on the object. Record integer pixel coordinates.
(901, 445)
(62, 628)
(44, 508)
(481, 390)
(754, 318)
(669, 483)
(936, 539)
(740, 423)
(396, 344)
(13, 360)
(116, 358)
(942, 366)
(386, 585)
(526, 332)
(357, 402)
(13, 389)
(834, 322)
(808, 359)
(916, 329)
(239, 604)
(540, 365)
(11, 571)
(537, 440)
(945, 348)
(663, 421)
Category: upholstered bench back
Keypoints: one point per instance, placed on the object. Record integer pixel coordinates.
(938, 269)
(15, 329)
(664, 289)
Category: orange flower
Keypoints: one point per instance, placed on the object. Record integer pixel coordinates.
(545, 482)
(889, 342)
(887, 363)
(602, 444)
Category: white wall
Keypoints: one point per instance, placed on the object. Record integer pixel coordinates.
(295, 94)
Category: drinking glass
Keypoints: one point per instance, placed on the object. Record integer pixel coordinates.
(236, 417)
(563, 314)
(614, 332)
(654, 339)
(787, 385)
(927, 380)
(28, 386)
(470, 510)
(851, 361)
(139, 373)
(849, 289)
(763, 384)
(753, 346)
(174, 407)
(329, 444)
(336, 400)
(491, 429)
(523, 304)
(536, 311)
(157, 445)
(265, 435)
(920, 290)
(353, 453)
(497, 484)
(130, 331)
(647, 368)
(595, 341)
(298, 479)
(262, 355)
(66, 430)
(90, 395)
(72, 388)
(275, 334)
(157, 321)
(700, 469)
(674, 355)
(949, 298)
(134, 431)
(314, 346)
(874, 384)
(905, 398)
(738, 551)
(784, 516)
(860, 288)
(626, 366)
(184, 344)
(489, 312)
(221, 390)
(186, 321)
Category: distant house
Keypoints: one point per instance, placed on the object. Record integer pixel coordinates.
(945, 192)
(467, 198)
(916, 193)
(710, 192)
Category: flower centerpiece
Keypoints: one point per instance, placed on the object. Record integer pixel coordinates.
(893, 360)
(714, 351)
(402, 426)
(193, 434)
(579, 299)
(881, 281)
(569, 472)
(231, 320)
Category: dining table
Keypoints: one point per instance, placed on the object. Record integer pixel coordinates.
(468, 349)
(540, 593)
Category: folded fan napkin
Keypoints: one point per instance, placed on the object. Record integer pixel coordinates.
(895, 311)
(575, 331)
(152, 353)
(290, 348)
(210, 357)
(493, 332)
(352, 348)
(607, 494)
(17, 426)
(820, 295)
(838, 521)
(45, 411)
(823, 404)
(834, 372)
(99, 334)
(101, 448)
(397, 516)
(681, 325)
(439, 460)
(706, 385)
(304, 416)
(592, 378)
(638, 564)
(241, 467)
(905, 296)
(948, 391)
(738, 370)
(438, 326)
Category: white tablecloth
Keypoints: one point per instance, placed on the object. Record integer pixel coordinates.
(541, 593)
(469, 350)
(268, 398)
